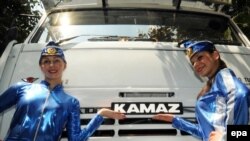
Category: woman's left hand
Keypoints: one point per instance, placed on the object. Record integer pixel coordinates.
(215, 136)
(111, 114)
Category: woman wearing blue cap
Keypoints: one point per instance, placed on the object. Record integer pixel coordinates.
(44, 110)
(222, 101)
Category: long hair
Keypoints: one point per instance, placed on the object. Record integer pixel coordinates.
(208, 85)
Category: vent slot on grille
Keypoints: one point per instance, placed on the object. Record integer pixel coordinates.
(147, 132)
(134, 132)
(128, 121)
(146, 94)
(97, 133)
(140, 121)
(105, 122)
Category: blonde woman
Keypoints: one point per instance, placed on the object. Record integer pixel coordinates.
(44, 110)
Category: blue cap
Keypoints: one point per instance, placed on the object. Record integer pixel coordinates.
(52, 49)
(193, 47)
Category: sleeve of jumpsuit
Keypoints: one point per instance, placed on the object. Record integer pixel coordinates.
(75, 133)
(235, 103)
(184, 125)
(8, 98)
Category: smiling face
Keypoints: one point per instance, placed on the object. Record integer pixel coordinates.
(205, 63)
(52, 68)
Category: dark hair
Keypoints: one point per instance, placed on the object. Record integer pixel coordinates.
(208, 85)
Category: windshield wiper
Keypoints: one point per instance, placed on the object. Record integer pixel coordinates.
(119, 38)
(73, 37)
(221, 41)
(107, 38)
(67, 39)
(226, 42)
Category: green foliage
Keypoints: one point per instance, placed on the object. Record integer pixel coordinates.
(241, 15)
(16, 20)
(162, 33)
(243, 21)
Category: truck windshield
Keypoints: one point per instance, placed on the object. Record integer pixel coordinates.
(134, 25)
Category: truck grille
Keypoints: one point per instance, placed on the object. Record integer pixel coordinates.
(157, 131)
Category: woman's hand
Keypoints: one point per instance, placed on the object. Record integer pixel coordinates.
(111, 114)
(164, 117)
(215, 136)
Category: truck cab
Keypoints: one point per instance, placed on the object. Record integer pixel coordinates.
(125, 55)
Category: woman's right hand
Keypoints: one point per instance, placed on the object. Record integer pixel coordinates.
(164, 117)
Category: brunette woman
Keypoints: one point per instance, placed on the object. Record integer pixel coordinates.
(222, 101)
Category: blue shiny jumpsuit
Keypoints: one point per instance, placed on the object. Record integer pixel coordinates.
(225, 104)
(42, 114)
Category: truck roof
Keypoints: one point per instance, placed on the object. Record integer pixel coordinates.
(181, 5)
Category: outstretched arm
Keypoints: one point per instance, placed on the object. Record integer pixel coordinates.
(75, 133)
(180, 124)
(111, 114)
(9, 97)
(164, 117)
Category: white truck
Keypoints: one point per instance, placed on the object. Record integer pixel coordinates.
(124, 54)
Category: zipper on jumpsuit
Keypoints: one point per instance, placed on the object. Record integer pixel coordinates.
(41, 116)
